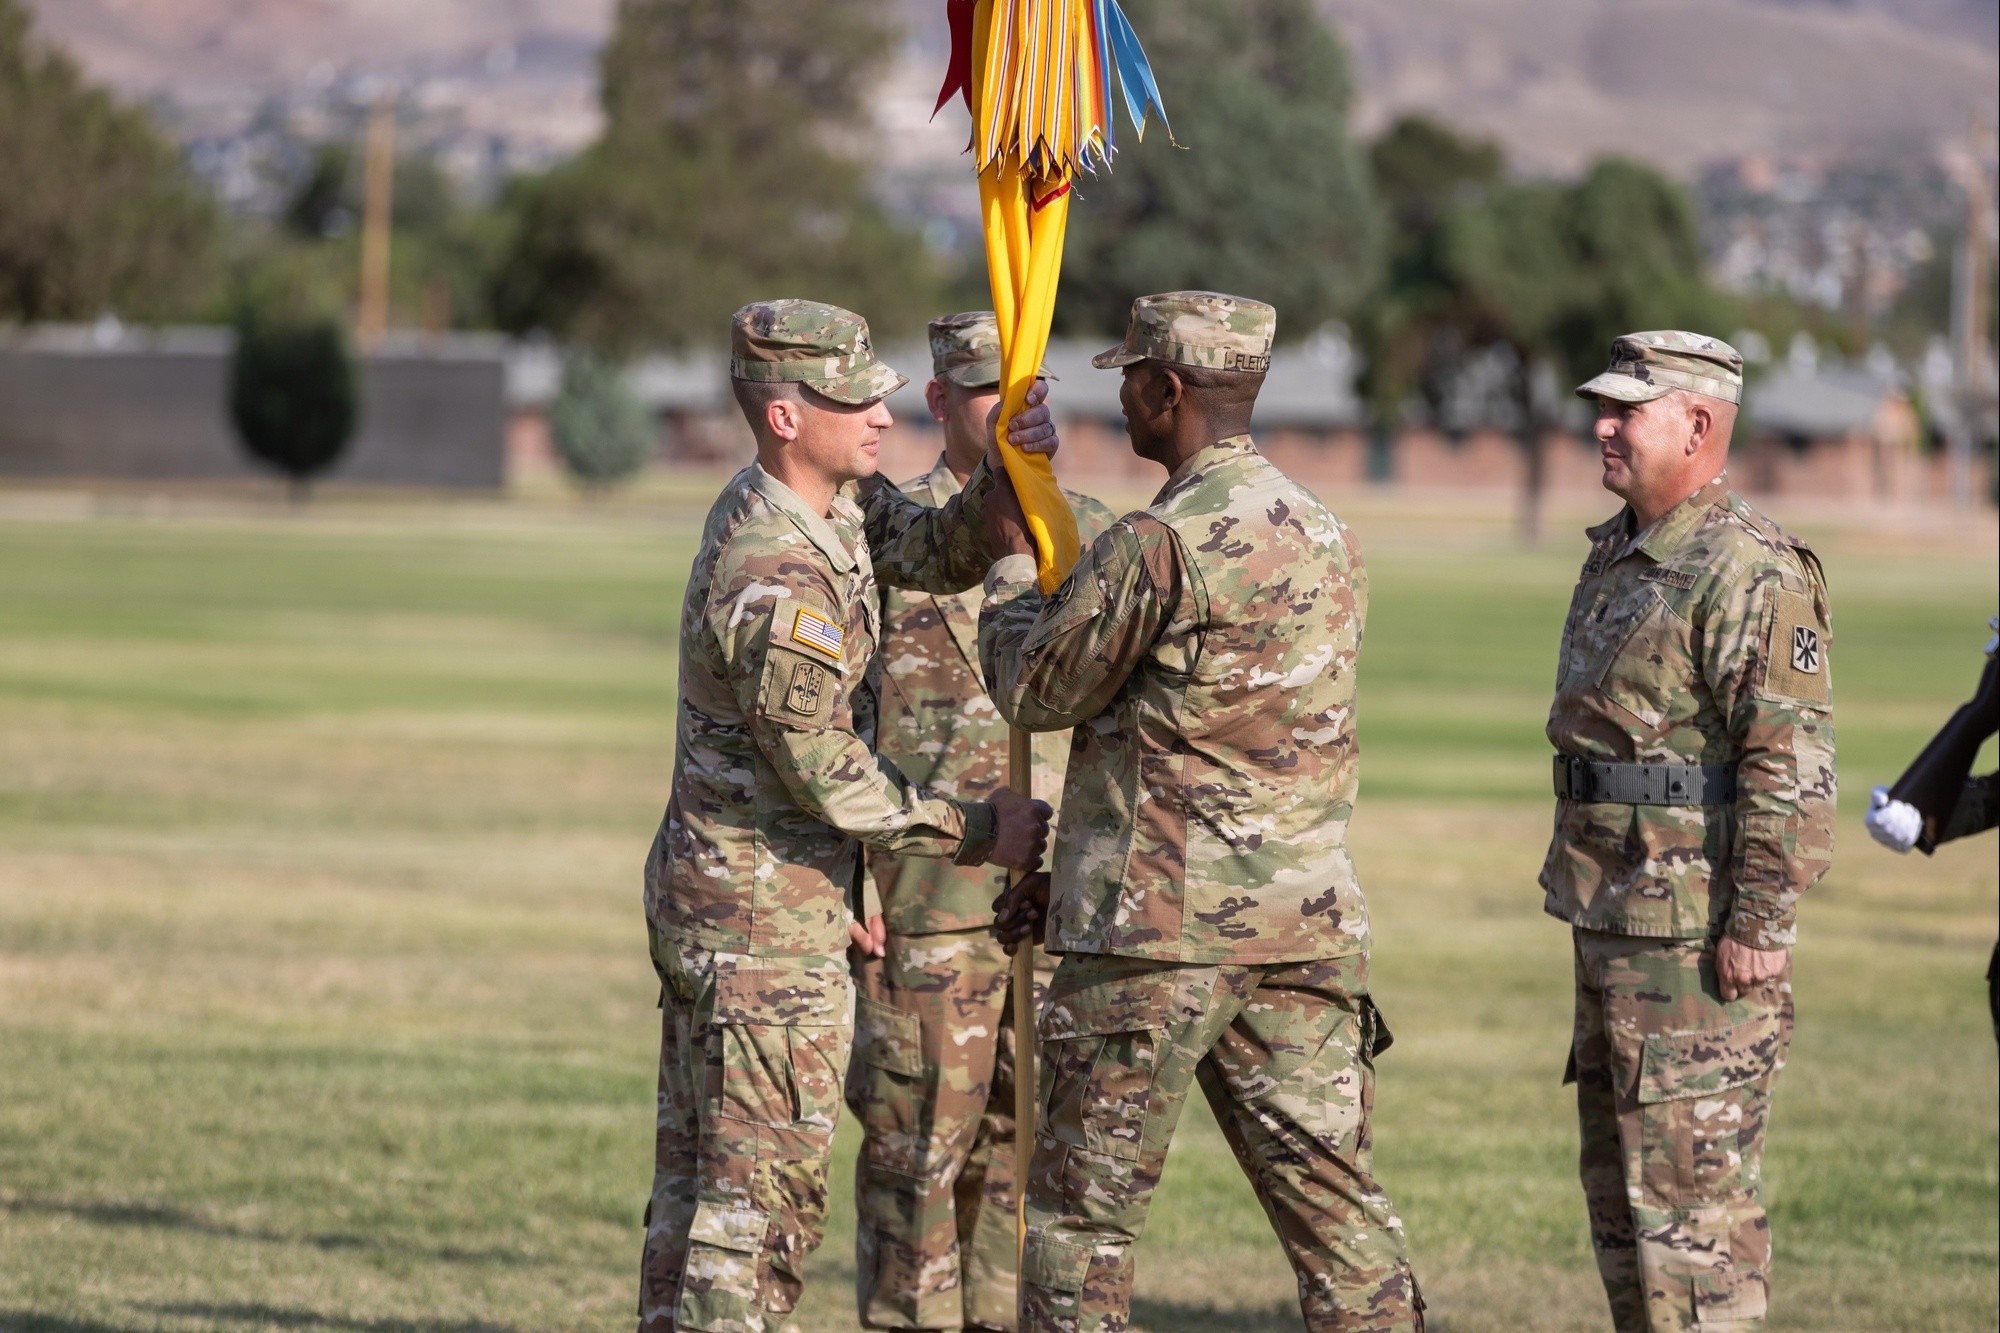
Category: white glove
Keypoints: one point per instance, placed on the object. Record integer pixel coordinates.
(1895, 824)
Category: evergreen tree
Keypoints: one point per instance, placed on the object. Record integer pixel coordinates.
(602, 432)
(1270, 199)
(719, 179)
(292, 394)
(97, 213)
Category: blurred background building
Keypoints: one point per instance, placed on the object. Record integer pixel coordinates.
(1813, 179)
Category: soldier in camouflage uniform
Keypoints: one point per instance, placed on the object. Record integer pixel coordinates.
(775, 779)
(1693, 726)
(1204, 901)
(932, 1077)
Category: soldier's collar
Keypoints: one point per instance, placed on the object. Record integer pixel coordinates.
(943, 481)
(1211, 454)
(1670, 529)
(818, 530)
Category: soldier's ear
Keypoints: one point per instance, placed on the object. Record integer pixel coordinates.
(938, 399)
(783, 417)
(1701, 425)
(1172, 391)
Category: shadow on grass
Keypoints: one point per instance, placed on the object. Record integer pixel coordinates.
(185, 1219)
(27, 1321)
(278, 1316)
(1158, 1316)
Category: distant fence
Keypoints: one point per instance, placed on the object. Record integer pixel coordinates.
(90, 403)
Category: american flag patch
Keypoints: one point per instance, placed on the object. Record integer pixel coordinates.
(817, 632)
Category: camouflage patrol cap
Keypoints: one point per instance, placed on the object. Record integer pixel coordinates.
(821, 346)
(1645, 366)
(1196, 329)
(965, 350)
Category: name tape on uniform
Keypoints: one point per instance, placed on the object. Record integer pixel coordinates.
(815, 631)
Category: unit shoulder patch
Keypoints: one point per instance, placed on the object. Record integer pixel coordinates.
(1796, 665)
(799, 688)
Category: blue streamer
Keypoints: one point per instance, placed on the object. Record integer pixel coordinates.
(1135, 73)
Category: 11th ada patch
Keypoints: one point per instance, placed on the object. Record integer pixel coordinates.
(1796, 657)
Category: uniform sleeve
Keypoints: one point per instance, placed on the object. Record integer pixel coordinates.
(1052, 662)
(779, 637)
(1977, 810)
(1767, 642)
(1093, 518)
(913, 545)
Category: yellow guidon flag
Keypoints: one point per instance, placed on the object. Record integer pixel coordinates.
(1036, 75)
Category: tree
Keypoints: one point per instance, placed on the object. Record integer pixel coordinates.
(1424, 172)
(1540, 275)
(602, 432)
(1637, 247)
(1271, 198)
(97, 212)
(292, 394)
(720, 179)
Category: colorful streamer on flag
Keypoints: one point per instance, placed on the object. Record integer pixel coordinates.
(1036, 76)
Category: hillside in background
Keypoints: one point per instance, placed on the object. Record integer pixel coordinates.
(1679, 82)
(520, 70)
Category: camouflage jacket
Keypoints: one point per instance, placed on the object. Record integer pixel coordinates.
(1204, 649)
(775, 774)
(1703, 640)
(940, 730)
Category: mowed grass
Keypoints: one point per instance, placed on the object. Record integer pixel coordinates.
(324, 1001)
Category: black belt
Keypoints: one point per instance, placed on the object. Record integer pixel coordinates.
(1645, 784)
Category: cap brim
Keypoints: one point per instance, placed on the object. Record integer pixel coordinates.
(1121, 355)
(1622, 389)
(863, 385)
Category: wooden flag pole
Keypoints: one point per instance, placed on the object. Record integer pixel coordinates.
(378, 184)
(1027, 1050)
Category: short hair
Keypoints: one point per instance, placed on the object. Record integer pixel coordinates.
(1226, 382)
(1221, 387)
(754, 396)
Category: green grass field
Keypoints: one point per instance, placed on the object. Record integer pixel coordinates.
(324, 1001)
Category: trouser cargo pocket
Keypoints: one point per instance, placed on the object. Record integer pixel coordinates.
(1101, 1045)
(1055, 1265)
(1705, 1097)
(888, 1087)
(719, 1288)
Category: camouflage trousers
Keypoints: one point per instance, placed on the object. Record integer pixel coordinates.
(1284, 1054)
(1673, 1090)
(751, 1055)
(932, 1085)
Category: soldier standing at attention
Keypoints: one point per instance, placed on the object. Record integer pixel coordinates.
(932, 1077)
(775, 778)
(1693, 727)
(1205, 904)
